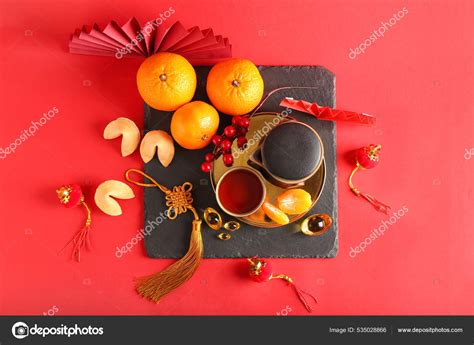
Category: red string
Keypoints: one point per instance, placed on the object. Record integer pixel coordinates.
(301, 294)
(379, 206)
(80, 240)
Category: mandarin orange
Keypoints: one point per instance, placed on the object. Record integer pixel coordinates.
(294, 201)
(235, 86)
(275, 214)
(166, 81)
(194, 124)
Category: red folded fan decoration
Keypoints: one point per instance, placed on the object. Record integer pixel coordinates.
(327, 113)
(200, 47)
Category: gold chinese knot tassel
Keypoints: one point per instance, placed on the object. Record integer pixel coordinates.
(157, 285)
(178, 200)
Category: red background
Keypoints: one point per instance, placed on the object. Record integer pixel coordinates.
(417, 80)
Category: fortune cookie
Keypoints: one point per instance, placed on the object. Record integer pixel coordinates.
(159, 142)
(107, 191)
(128, 130)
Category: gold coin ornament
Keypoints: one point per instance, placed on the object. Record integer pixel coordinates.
(224, 236)
(232, 225)
(212, 218)
(316, 224)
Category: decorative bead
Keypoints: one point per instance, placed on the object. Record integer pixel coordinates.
(241, 141)
(228, 159)
(216, 139)
(244, 122)
(224, 236)
(226, 145)
(206, 167)
(242, 131)
(236, 120)
(232, 225)
(230, 131)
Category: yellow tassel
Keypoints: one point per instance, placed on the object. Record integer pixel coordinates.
(157, 285)
(179, 200)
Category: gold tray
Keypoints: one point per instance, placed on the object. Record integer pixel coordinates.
(314, 185)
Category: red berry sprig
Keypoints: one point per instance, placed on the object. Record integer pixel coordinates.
(223, 143)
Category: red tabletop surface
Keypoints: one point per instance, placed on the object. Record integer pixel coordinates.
(417, 79)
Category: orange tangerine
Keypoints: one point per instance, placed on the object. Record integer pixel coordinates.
(275, 214)
(294, 201)
(235, 86)
(166, 81)
(194, 124)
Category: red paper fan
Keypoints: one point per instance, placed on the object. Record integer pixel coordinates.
(200, 47)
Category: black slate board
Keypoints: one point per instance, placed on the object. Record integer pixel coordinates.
(170, 238)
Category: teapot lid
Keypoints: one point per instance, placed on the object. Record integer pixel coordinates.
(292, 151)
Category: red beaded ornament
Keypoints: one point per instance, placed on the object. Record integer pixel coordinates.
(262, 271)
(71, 196)
(367, 158)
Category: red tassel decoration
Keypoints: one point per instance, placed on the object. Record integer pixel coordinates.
(71, 196)
(367, 158)
(262, 271)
